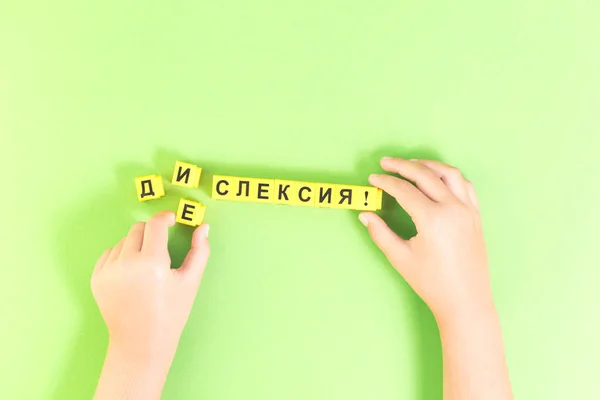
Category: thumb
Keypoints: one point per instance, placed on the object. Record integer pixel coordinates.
(196, 259)
(393, 246)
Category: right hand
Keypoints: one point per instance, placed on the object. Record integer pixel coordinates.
(446, 262)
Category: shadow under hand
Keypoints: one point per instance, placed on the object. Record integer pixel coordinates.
(427, 346)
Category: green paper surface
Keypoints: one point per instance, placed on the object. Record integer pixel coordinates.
(297, 303)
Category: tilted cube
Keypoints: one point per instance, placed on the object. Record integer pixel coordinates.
(149, 187)
(186, 175)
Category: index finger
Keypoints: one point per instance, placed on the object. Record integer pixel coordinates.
(156, 234)
(409, 197)
(451, 176)
(426, 180)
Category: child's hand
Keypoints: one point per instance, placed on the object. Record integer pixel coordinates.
(144, 302)
(446, 262)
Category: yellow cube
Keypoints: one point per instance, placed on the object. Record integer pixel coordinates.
(241, 189)
(186, 175)
(283, 191)
(262, 190)
(304, 195)
(366, 198)
(223, 187)
(190, 212)
(324, 195)
(345, 197)
(149, 187)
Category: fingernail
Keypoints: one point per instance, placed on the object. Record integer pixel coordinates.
(413, 159)
(386, 158)
(363, 219)
(206, 230)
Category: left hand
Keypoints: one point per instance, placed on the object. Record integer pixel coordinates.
(144, 302)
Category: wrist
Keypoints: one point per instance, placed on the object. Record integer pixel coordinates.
(467, 318)
(142, 361)
(152, 350)
(138, 352)
(127, 373)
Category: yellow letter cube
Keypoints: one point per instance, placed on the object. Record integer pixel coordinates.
(186, 175)
(324, 195)
(304, 195)
(261, 190)
(223, 187)
(284, 192)
(149, 187)
(190, 212)
(241, 187)
(366, 198)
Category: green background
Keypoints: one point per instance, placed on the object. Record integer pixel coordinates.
(297, 303)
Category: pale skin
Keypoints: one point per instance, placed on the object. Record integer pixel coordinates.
(146, 304)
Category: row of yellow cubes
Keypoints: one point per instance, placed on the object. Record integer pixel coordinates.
(296, 193)
(275, 191)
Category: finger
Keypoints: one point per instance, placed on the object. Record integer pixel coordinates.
(473, 195)
(425, 179)
(156, 234)
(409, 197)
(394, 247)
(115, 252)
(452, 177)
(134, 239)
(102, 260)
(195, 262)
